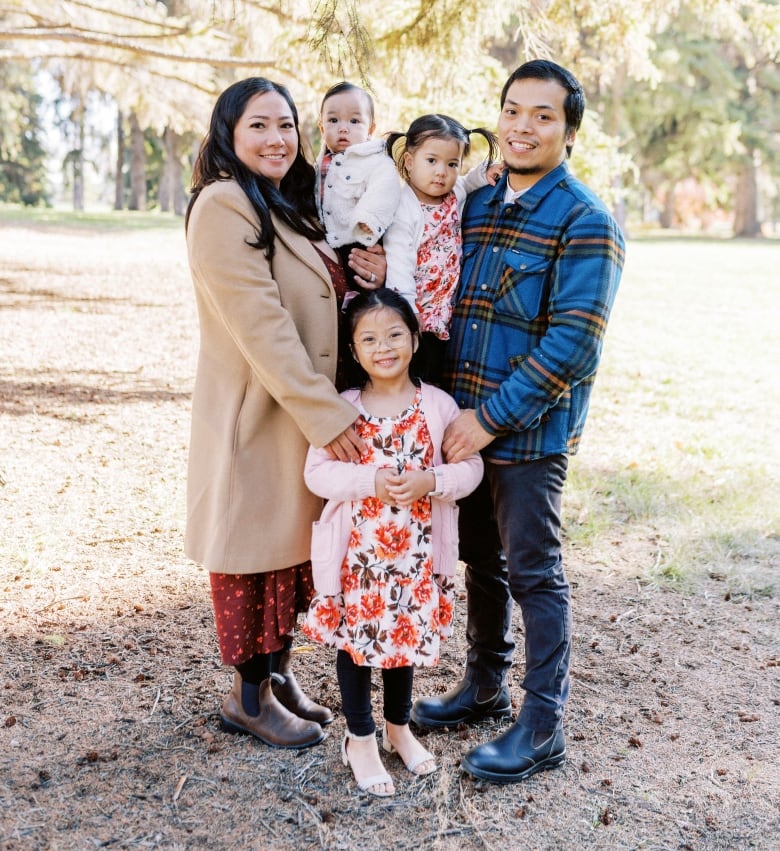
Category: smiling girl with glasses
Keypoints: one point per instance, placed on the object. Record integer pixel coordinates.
(385, 549)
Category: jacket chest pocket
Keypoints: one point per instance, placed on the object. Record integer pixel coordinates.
(522, 286)
(344, 184)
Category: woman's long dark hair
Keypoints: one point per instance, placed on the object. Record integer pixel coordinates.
(436, 126)
(293, 202)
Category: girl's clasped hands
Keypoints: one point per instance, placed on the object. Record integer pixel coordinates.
(403, 488)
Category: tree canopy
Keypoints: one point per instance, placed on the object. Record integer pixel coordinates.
(686, 89)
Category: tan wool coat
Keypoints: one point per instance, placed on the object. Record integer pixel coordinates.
(263, 390)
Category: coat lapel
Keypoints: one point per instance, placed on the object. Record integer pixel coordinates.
(302, 249)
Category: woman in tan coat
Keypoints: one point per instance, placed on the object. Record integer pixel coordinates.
(267, 288)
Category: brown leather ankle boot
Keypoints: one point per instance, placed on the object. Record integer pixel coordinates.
(290, 695)
(273, 725)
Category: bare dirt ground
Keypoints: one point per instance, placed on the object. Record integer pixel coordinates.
(111, 683)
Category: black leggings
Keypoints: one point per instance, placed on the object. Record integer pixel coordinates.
(428, 364)
(355, 685)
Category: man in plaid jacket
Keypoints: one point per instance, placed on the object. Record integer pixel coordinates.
(542, 259)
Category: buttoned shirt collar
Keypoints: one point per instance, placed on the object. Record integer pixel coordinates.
(529, 198)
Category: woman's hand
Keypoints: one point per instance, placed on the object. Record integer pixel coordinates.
(369, 265)
(347, 446)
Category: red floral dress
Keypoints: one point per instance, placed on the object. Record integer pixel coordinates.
(392, 610)
(438, 265)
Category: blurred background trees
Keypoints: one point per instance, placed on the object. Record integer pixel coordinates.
(105, 101)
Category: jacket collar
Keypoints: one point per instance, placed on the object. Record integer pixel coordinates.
(369, 148)
(530, 199)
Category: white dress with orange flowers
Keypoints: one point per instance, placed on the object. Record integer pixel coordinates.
(392, 610)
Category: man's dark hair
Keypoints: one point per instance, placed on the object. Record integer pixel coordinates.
(544, 69)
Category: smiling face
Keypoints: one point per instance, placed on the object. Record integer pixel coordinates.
(265, 138)
(433, 167)
(383, 344)
(345, 120)
(532, 130)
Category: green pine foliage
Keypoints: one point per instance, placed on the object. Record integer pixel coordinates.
(22, 153)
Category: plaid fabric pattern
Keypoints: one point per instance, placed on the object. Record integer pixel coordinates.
(539, 280)
(327, 159)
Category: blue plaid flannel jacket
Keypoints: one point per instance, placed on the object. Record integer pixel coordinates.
(539, 279)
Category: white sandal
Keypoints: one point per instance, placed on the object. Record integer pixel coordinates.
(413, 764)
(368, 783)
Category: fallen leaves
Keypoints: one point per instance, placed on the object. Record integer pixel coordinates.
(93, 756)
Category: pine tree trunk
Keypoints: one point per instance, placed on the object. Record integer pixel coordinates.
(165, 193)
(180, 196)
(78, 160)
(746, 217)
(667, 214)
(172, 195)
(119, 177)
(137, 166)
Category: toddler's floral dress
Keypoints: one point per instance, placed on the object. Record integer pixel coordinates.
(392, 610)
(438, 265)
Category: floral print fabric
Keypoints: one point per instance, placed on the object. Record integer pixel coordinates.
(392, 610)
(438, 265)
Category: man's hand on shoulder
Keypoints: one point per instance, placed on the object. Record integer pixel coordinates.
(463, 437)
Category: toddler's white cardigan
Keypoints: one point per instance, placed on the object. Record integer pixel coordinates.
(403, 239)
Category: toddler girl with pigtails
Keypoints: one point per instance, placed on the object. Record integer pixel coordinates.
(425, 239)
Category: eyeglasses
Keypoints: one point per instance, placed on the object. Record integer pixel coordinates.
(394, 340)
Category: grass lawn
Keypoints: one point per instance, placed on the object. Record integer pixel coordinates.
(112, 681)
(682, 436)
(681, 445)
(118, 220)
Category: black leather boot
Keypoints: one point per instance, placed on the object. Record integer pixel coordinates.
(516, 754)
(460, 705)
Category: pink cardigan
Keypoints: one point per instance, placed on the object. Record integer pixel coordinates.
(341, 482)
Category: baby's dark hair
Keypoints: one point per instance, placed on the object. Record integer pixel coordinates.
(436, 126)
(344, 86)
(365, 302)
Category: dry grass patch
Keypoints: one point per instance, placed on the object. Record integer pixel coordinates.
(111, 682)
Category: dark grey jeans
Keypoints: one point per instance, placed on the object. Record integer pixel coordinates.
(510, 541)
